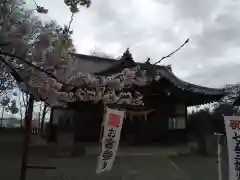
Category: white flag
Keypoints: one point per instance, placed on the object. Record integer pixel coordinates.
(232, 125)
(112, 124)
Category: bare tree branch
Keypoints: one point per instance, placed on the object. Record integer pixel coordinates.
(172, 52)
(35, 3)
(69, 25)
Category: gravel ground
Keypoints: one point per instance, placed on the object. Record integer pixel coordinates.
(148, 163)
(200, 168)
(125, 168)
(141, 167)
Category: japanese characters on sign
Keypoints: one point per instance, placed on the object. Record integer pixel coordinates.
(109, 144)
(236, 149)
(110, 140)
(232, 125)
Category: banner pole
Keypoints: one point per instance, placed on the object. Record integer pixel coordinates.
(219, 158)
(102, 129)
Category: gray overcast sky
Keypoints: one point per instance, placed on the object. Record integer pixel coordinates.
(153, 28)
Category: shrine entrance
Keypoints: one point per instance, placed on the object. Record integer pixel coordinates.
(144, 127)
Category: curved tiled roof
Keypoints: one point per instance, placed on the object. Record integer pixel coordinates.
(100, 65)
(169, 75)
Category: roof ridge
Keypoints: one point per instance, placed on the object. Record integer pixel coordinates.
(110, 59)
(92, 56)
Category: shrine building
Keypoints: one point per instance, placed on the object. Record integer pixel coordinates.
(162, 119)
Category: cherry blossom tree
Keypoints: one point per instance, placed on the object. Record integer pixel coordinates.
(10, 13)
(13, 14)
(38, 57)
(43, 66)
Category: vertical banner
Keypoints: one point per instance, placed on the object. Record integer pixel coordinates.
(112, 124)
(232, 125)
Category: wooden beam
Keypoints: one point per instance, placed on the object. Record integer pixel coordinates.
(140, 113)
(41, 167)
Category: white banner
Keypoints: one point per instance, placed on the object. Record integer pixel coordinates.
(112, 124)
(232, 125)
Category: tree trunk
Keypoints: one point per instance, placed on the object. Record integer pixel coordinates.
(3, 108)
(27, 136)
(43, 117)
(20, 111)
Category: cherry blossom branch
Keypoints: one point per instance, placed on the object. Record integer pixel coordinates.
(39, 69)
(14, 73)
(30, 64)
(172, 52)
(48, 73)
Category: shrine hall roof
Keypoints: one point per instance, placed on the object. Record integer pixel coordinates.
(104, 66)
